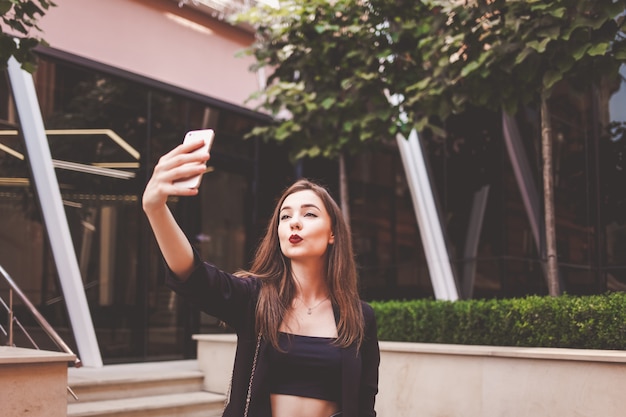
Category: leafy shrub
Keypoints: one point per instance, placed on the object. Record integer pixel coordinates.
(581, 322)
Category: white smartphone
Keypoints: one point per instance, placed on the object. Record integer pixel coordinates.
(207, 135)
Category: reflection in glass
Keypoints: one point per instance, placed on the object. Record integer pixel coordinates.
(105, 134)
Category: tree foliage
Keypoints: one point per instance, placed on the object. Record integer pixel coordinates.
(333, 63)
(507, 53)
(327, 60)
(19, 33)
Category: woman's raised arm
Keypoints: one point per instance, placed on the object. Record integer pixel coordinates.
(181, 162)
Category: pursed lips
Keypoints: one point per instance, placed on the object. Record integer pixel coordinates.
(295, 239)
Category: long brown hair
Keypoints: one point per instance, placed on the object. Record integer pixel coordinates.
(279, 288)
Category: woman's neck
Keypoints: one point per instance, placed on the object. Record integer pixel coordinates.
(310, 282)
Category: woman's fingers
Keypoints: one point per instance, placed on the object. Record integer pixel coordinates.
(183, 161)
(184, 154)
(190, 146)
(179, 163)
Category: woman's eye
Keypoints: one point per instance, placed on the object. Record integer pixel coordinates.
(311, 214)
(284, 217)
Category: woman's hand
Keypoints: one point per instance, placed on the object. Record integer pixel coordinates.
(181, 162)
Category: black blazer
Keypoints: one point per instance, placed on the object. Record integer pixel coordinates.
(233, 300)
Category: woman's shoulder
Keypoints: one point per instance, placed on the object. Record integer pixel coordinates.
(369, 320)
(368, 311)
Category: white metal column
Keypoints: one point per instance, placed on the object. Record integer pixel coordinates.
(444, 285)
(47, 188)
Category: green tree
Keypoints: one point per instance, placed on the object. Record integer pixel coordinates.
(325, 88)
(19, 33)
(325, 60)
(511, 53)
(334, 64)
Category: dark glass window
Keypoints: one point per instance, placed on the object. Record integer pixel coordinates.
(612, 179)
(105, 134)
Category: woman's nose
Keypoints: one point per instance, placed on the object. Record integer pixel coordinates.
(295, 222)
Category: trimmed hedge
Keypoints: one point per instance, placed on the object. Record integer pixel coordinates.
(580, 322)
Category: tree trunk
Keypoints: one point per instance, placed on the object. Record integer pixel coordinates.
(548, 196)
(343, 189)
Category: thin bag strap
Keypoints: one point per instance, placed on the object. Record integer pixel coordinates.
(249, 394)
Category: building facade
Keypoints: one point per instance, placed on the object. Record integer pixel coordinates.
(123, 80)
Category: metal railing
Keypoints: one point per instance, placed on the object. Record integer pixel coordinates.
(43, 323)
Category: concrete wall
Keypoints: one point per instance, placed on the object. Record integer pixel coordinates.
(156, 39)
(33, 383)
(433, 380)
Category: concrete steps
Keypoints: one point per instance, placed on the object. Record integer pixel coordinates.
(190, 404)
(156, 389)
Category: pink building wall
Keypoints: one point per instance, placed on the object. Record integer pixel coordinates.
(156, 39)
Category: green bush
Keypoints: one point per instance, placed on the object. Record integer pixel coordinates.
(581, 322)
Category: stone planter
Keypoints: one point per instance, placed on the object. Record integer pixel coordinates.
(33, 382)
(436, 380)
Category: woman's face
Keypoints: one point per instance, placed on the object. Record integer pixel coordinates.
(304, 226)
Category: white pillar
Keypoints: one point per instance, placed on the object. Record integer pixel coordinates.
(47, 188)
(444, 285)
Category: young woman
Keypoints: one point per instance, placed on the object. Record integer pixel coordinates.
(306, 344)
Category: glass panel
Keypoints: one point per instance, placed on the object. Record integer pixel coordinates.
(24, 252)
(167, 323)
(95, 124)
(105, 135)
(386, 238)
(473, 182)
(613, 178)
(571, 111)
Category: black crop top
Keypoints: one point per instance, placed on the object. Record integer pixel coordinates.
(308, 367)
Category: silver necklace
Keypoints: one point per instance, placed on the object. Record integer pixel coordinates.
(310, 309)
